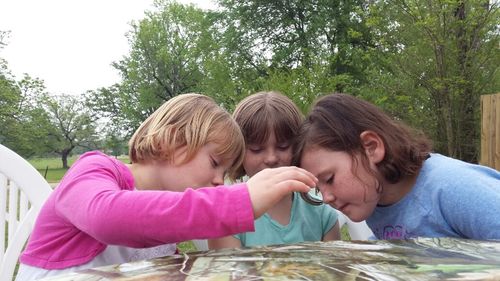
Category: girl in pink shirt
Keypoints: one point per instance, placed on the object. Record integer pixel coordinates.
(105, 212)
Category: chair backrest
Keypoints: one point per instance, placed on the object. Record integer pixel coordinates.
(22, 193)
(357, 230)
(200, 244)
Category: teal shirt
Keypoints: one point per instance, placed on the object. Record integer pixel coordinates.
(307, 223)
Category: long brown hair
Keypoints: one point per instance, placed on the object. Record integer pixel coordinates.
(336, 121)
(262, 113)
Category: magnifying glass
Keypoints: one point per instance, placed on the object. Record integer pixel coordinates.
(312, 197)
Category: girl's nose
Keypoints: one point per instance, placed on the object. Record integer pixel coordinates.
(218, 179)
(328, 197)
(271, 158)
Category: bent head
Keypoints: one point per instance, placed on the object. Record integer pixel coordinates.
(343, 130)
(184, 129)
(269, 121)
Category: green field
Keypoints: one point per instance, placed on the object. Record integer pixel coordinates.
(51, 168)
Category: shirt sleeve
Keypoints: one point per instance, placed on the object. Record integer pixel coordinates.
(95, 203)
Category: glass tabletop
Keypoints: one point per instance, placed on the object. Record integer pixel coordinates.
(416, 259)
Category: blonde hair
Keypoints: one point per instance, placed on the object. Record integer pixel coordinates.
(190, 120)
(262, 113)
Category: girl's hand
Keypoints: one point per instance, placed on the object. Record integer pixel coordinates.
(268, 186)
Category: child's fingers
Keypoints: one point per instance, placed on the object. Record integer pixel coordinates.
(293, 185)
(294, 173)
(288, 171)
(270, 185)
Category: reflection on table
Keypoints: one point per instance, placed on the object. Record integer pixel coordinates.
(418, 259)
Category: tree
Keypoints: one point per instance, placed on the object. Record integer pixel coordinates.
(115, 144)
(167, 48)
(309, 35)
(25, 124)
(450, 51)
(35, 123)
(75, 125)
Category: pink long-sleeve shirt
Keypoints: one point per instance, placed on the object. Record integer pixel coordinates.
(96, 205)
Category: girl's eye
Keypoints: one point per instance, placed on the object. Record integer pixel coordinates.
(330, 180)
(214, 162)
(283, 146)
(255, 149)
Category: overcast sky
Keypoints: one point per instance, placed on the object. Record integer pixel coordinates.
(70, 44)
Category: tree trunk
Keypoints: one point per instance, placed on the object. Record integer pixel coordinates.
(446, 112)
(443, 99)
(468, 104)
(64, 156)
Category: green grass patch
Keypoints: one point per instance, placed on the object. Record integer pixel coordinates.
(52, 169)
(344, 233)
(186, 247)
(53, 175)
(52, 162)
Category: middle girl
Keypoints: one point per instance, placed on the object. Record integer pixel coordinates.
(270, 122)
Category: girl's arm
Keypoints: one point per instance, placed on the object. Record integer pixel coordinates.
(332, 234)
(224, 242)
(92, 202)
(94, 199)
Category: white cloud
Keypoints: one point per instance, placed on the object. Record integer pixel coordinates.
(70, 44)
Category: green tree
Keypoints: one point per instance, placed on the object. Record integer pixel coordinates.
(167, 51)
(9, 98)
(115, 144)
(326, 36)
(448, 50)
(74, 123)
(25, 124)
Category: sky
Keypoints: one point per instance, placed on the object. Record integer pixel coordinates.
(70, 44)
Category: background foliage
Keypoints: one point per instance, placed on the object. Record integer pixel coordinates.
(424, 62)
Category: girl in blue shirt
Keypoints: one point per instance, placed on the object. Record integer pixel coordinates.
(373, 168)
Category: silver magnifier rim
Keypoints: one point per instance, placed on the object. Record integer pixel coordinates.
(313, 201)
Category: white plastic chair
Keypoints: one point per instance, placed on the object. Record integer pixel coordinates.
(22, 193)
(200, 244)
(357, 230)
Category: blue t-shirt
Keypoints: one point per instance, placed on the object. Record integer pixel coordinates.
(450, 198)
(307, 223)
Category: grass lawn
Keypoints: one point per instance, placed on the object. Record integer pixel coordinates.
(52, 169)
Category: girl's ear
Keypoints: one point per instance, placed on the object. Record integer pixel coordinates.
(374, 146)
